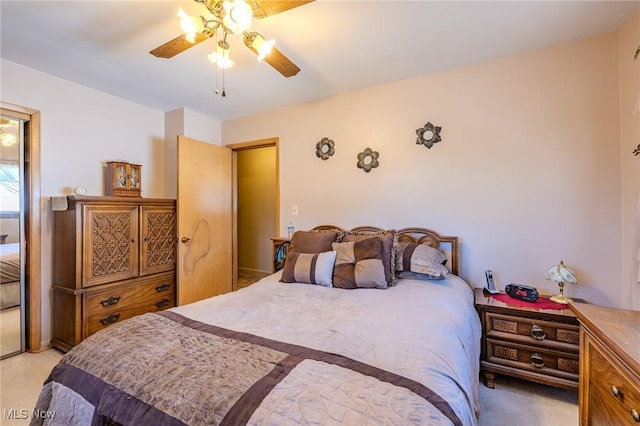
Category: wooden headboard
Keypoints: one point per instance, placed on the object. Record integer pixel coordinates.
(448, 245)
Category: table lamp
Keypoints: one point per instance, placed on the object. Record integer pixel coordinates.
(561, 274)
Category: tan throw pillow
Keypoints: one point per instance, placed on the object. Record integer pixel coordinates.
(359, 264)
(310, 268)
(389, 240)
(312, 241)
(420, 261)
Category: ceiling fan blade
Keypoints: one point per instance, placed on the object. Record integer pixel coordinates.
(281, 63)
(177, 45)
(263, 8)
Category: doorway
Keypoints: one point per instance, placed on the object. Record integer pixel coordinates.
(256, 208)
(23, 224)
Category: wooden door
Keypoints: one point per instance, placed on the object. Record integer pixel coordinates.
(204, 220)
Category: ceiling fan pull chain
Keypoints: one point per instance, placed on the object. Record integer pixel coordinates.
(224, 93)
(215, 37)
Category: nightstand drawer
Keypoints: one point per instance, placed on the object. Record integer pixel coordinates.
(531, 331)
(537, 360)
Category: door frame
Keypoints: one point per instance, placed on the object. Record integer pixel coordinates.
(33, 290)
(235, 148)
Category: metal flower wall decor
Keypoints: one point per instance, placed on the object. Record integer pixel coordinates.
(325, 148)
(637, 150)
(368, 159)
(428, 135)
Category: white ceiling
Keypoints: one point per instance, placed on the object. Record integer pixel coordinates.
(339, 45)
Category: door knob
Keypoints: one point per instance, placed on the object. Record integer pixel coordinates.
(185, 239)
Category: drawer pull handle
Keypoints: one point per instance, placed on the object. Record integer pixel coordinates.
(110, 319)
(615, 391)
(162, 303)
(163, 287)
(635, 415)
(537, 361)
(537, 332)
(110, 301)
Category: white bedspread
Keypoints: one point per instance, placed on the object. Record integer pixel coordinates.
(427, 331)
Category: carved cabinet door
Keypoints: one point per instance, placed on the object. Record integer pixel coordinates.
(158, 233)
(110, 251)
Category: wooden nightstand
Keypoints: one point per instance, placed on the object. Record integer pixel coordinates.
(540, 345)
(280, 250)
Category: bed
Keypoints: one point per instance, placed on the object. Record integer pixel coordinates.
(292, 348)
(9, 275)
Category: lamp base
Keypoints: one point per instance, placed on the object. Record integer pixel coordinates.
(560, 298)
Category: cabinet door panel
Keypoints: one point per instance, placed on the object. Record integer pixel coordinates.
(110, 244)
(158, 245)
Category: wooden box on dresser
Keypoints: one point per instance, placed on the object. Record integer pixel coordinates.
(113, 258)
(540, 345)
(609, 365)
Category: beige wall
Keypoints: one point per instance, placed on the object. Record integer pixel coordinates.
(629, 75)
(256, 177)
(527, 173)
(81, 128)
(192, 125)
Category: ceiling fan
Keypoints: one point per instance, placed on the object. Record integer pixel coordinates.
(232, 17)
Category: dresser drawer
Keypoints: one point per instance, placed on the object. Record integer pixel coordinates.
(122, 297)
(97, 322)
(105, 307)
(541, 333)
(537, 360)
(613, 395)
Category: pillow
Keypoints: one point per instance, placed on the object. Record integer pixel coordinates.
(420, 261)
(359, 264)
(313, 241)
(389, 239)
(310, 268)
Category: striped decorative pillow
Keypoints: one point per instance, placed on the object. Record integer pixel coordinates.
(420, 261)
(310, 268)
(359, 264)
(389, 240)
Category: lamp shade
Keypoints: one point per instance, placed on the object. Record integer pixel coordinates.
(238, 15)
(561, 274)
(190, 25)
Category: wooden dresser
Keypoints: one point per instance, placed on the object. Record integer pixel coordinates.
(113, 258)
(609, 366)
(540, 345)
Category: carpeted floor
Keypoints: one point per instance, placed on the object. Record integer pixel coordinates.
(516, 402)
(9, 331)
(246, 277)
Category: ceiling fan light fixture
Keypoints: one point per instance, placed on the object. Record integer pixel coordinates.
(237, 17)
(190, 25)
(221, 56)
(258, 44)
(7, 139)
(263, 47)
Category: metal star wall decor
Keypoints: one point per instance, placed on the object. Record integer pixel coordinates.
(428, 135)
